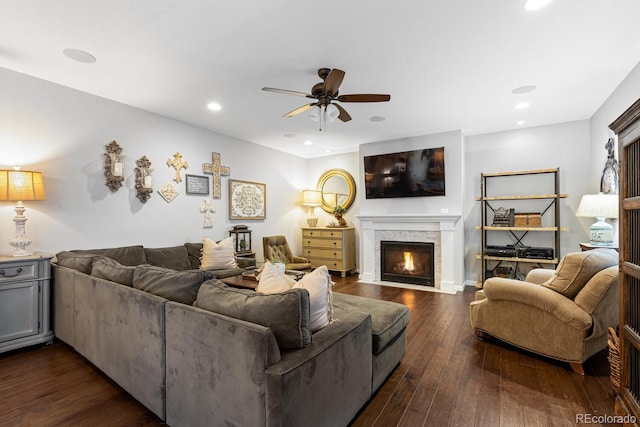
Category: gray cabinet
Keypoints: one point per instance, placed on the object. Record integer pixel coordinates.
(24, 301)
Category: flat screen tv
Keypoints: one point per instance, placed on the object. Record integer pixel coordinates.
(418, 173)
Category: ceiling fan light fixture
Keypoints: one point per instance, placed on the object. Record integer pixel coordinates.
(535, 4)
(332, 112)
(314, 114)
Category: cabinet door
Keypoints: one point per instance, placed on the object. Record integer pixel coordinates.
(18, 310)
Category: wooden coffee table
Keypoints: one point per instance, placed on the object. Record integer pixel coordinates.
(240, 282)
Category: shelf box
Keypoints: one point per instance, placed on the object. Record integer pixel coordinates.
(528, 219)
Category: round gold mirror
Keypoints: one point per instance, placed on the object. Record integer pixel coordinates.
(338, 188)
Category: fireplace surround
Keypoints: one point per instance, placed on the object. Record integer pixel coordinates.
(445, 231)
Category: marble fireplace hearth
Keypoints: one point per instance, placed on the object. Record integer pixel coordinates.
(443, 230)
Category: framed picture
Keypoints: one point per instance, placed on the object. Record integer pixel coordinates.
(197, 184)
(247, 200)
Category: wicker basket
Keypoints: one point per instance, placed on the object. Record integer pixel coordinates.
(614, 357)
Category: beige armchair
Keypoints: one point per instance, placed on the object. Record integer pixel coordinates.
(562, 314)
(277, 248)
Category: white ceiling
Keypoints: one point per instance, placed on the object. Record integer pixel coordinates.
(448, 64)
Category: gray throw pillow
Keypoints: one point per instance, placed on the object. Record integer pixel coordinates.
(286, 313)
(195, 252)
(175, 258)
(125, 255)
(78, 261)
(110, 269)
(179, 286)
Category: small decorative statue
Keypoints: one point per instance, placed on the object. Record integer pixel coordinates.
(338, 211)
(609, 179)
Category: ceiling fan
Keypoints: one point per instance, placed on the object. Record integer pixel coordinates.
(326, 94)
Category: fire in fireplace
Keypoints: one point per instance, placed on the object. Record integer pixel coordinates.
(407, 262)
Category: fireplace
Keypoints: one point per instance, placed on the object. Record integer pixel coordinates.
(407, 262)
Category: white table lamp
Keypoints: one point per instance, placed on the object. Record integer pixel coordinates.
(312, 199)
(600, 206)
(18, 186)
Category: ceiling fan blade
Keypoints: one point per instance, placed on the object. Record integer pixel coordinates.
(344, 116)
(364, 97)
(300, 110)
(287, 92)
(333, 81)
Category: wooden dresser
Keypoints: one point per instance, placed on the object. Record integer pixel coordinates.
(333, 247)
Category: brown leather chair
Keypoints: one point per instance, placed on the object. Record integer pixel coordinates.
(562, 314)
(276, 248)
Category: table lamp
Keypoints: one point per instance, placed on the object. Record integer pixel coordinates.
(600, 206)
(19, 186)
(312, 199)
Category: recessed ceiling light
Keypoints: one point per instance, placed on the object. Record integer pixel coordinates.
(535, 4)
(523, 89)
(522, 105)
(214, 106)
(307, 142)
(377, 118)
(79, 55)
(520, 122)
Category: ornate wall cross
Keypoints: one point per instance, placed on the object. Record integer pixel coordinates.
(216, 169)
(177, 163)
(207, 208)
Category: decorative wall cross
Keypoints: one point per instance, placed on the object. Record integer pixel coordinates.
(207, 208)
(177, 163)
(216, 169)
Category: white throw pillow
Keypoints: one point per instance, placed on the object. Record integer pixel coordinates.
(318, 283)
(217, 256)
(272, 280)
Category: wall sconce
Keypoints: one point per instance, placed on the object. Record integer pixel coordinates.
(18, 186)
(600, 206)
(311, 198)
(113, 166)
(143, 179)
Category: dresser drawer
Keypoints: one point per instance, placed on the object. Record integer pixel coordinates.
(18, 271)
(322, 253)
(324, 234)
(330, 263)
(321, 243)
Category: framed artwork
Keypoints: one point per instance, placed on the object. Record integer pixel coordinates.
(197, 184)
(247, 200)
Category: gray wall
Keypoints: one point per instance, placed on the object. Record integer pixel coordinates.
(62, 132)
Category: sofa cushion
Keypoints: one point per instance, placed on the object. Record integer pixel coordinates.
(218, 255)
(195, 252)
(175, 257)
(575, 269)
(286, 313)
(110, 269)
(78, 261)
(388, 319)
(318, 283)
(126, 255)
(179, 286)
(272, 280)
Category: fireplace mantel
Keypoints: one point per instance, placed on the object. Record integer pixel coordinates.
(445, 229)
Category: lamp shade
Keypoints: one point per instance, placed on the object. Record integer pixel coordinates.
(330, 199)
(598, 206)
(17, 185)
(311, 198)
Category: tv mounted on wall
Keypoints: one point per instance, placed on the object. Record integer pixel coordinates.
(418, 173)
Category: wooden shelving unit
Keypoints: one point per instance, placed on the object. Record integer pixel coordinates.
(518, 233)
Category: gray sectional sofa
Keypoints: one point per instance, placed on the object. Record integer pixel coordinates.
(197, 367)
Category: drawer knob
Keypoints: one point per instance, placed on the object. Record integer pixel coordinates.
(4, 274)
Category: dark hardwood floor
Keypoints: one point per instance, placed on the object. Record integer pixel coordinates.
(447, 377)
